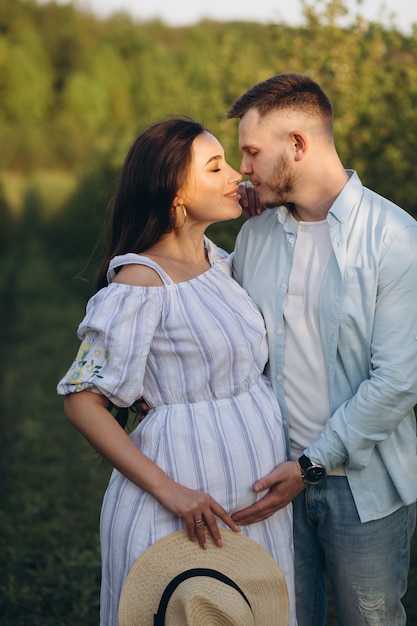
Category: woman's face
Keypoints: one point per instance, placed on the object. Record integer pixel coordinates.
(211, 194)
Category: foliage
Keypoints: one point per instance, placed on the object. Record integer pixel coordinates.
(74, 92)
(76, 256)
(7, 224)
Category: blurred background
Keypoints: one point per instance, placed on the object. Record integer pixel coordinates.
(77, 83)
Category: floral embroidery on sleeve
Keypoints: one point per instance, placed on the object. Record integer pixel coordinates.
(86, 363)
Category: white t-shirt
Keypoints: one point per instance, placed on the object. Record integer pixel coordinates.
(309, 409)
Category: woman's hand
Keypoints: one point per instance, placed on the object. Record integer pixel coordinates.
(249, 200)
(197, 509)
(89, 414)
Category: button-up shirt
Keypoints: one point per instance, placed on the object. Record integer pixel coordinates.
(368, 328)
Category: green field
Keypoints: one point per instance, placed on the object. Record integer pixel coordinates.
(75, 91)
(51, 481)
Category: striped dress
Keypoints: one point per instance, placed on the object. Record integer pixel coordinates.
(196, 352)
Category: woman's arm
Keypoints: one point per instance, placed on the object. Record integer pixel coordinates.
(88, 412)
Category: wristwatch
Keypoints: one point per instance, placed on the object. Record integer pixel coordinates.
(312, 473)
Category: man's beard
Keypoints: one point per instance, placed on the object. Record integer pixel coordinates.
(280, 184)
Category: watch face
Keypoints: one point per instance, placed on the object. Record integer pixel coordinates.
(314, 474)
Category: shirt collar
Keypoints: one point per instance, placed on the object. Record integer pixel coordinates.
(347, 198)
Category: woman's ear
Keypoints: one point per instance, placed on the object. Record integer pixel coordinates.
(179, 200)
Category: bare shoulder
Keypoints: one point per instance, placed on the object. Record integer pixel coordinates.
(138, 275)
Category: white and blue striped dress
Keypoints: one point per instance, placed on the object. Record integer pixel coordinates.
(196, 352)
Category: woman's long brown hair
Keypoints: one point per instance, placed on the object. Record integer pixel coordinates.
(156, 167)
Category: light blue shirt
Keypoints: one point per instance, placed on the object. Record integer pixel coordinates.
(368, 328)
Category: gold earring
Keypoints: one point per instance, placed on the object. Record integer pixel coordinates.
(184, 210)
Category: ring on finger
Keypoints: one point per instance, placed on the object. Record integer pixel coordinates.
(198, 521)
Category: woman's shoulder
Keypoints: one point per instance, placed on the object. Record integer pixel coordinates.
(136, 270)
(138, 275)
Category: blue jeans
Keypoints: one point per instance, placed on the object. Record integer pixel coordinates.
(367, 564)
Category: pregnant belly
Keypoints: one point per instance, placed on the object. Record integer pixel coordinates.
(223, 457)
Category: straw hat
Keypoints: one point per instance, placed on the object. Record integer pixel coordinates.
(177, 583)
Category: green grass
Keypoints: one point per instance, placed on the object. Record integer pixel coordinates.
(52, 483)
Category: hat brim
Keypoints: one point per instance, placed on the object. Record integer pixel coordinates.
(241, 559)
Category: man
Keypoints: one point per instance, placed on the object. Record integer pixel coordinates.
(334, 271)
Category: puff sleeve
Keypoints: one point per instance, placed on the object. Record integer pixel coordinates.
(116, 335)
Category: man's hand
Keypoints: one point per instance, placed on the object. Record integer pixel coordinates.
(249, 200)
(141, 408)
(285, 483)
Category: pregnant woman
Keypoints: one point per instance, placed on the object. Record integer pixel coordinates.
(168, 324)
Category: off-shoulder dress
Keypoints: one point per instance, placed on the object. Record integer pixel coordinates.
(196, 351)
